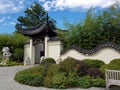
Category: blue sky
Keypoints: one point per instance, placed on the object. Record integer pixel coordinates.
(72, 11)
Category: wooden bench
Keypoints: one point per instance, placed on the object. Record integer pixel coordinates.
(112, 77)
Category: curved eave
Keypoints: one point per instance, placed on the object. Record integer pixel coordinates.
(94, 50)
(32, 31)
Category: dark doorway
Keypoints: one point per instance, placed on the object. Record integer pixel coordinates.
(39, 52)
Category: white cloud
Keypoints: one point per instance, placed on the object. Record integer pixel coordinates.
(8, 23)
(76, 4)
(3, 19)
(41, 0)
(10, 6)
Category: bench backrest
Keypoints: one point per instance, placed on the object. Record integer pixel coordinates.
(113, 74)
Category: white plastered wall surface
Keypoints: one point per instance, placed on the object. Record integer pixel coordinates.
(27, 53)
(54, 48)
(105, 54)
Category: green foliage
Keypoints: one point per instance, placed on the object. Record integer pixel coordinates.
(115, 61)
(13, 63)
(34, 15)
(53, 69)
(32, 76)
(84, 82)
(48, 60)
(74, 65)
(47, 63)
(96, 28)
(87, 81)
(94, 63)
(59, 80)
(68, 73)
(68, 65)
(113, 65)
(54, 78)
(15, 42)
(71, 79)
(17, 47)
(5, 40)
(98, 82)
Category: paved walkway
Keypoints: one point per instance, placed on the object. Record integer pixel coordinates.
(7, 80)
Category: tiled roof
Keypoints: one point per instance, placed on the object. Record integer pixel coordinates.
(39, 31)
(94, 50)
(32, 31)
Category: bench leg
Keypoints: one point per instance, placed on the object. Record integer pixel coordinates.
(107, 86)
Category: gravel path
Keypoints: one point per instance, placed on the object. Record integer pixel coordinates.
(7, 80)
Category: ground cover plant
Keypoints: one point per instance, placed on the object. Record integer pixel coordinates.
(32, 76)
(68, 73)
(11, 63)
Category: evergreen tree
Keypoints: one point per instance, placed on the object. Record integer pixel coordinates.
(34, 15)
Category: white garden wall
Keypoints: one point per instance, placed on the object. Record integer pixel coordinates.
(54, 49)
(27, 53)
(105, 54)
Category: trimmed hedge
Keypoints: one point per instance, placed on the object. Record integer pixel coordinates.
(73, 65)
(68, 65)
(93, 63)
(113, 65)
(48, 60)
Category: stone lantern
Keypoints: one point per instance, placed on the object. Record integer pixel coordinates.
(6, 55)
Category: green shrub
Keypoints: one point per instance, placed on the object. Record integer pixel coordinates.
(32, 76)
(113, 65)
(59, 80)
(98, 82)
(84, 82)
(115, 61)
(87, 82)
(94, 63)
(71, 79)
(56, 78)
(68, 65)
(94, 72)
(73, 65)
(69, 73)
(48, 60)
(52, 70)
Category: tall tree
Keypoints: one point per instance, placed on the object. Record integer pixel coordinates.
(96, 28)
(34, 15)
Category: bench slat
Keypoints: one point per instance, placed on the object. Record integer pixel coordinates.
(112, 77)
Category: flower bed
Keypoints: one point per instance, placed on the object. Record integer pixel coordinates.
(66, 74)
